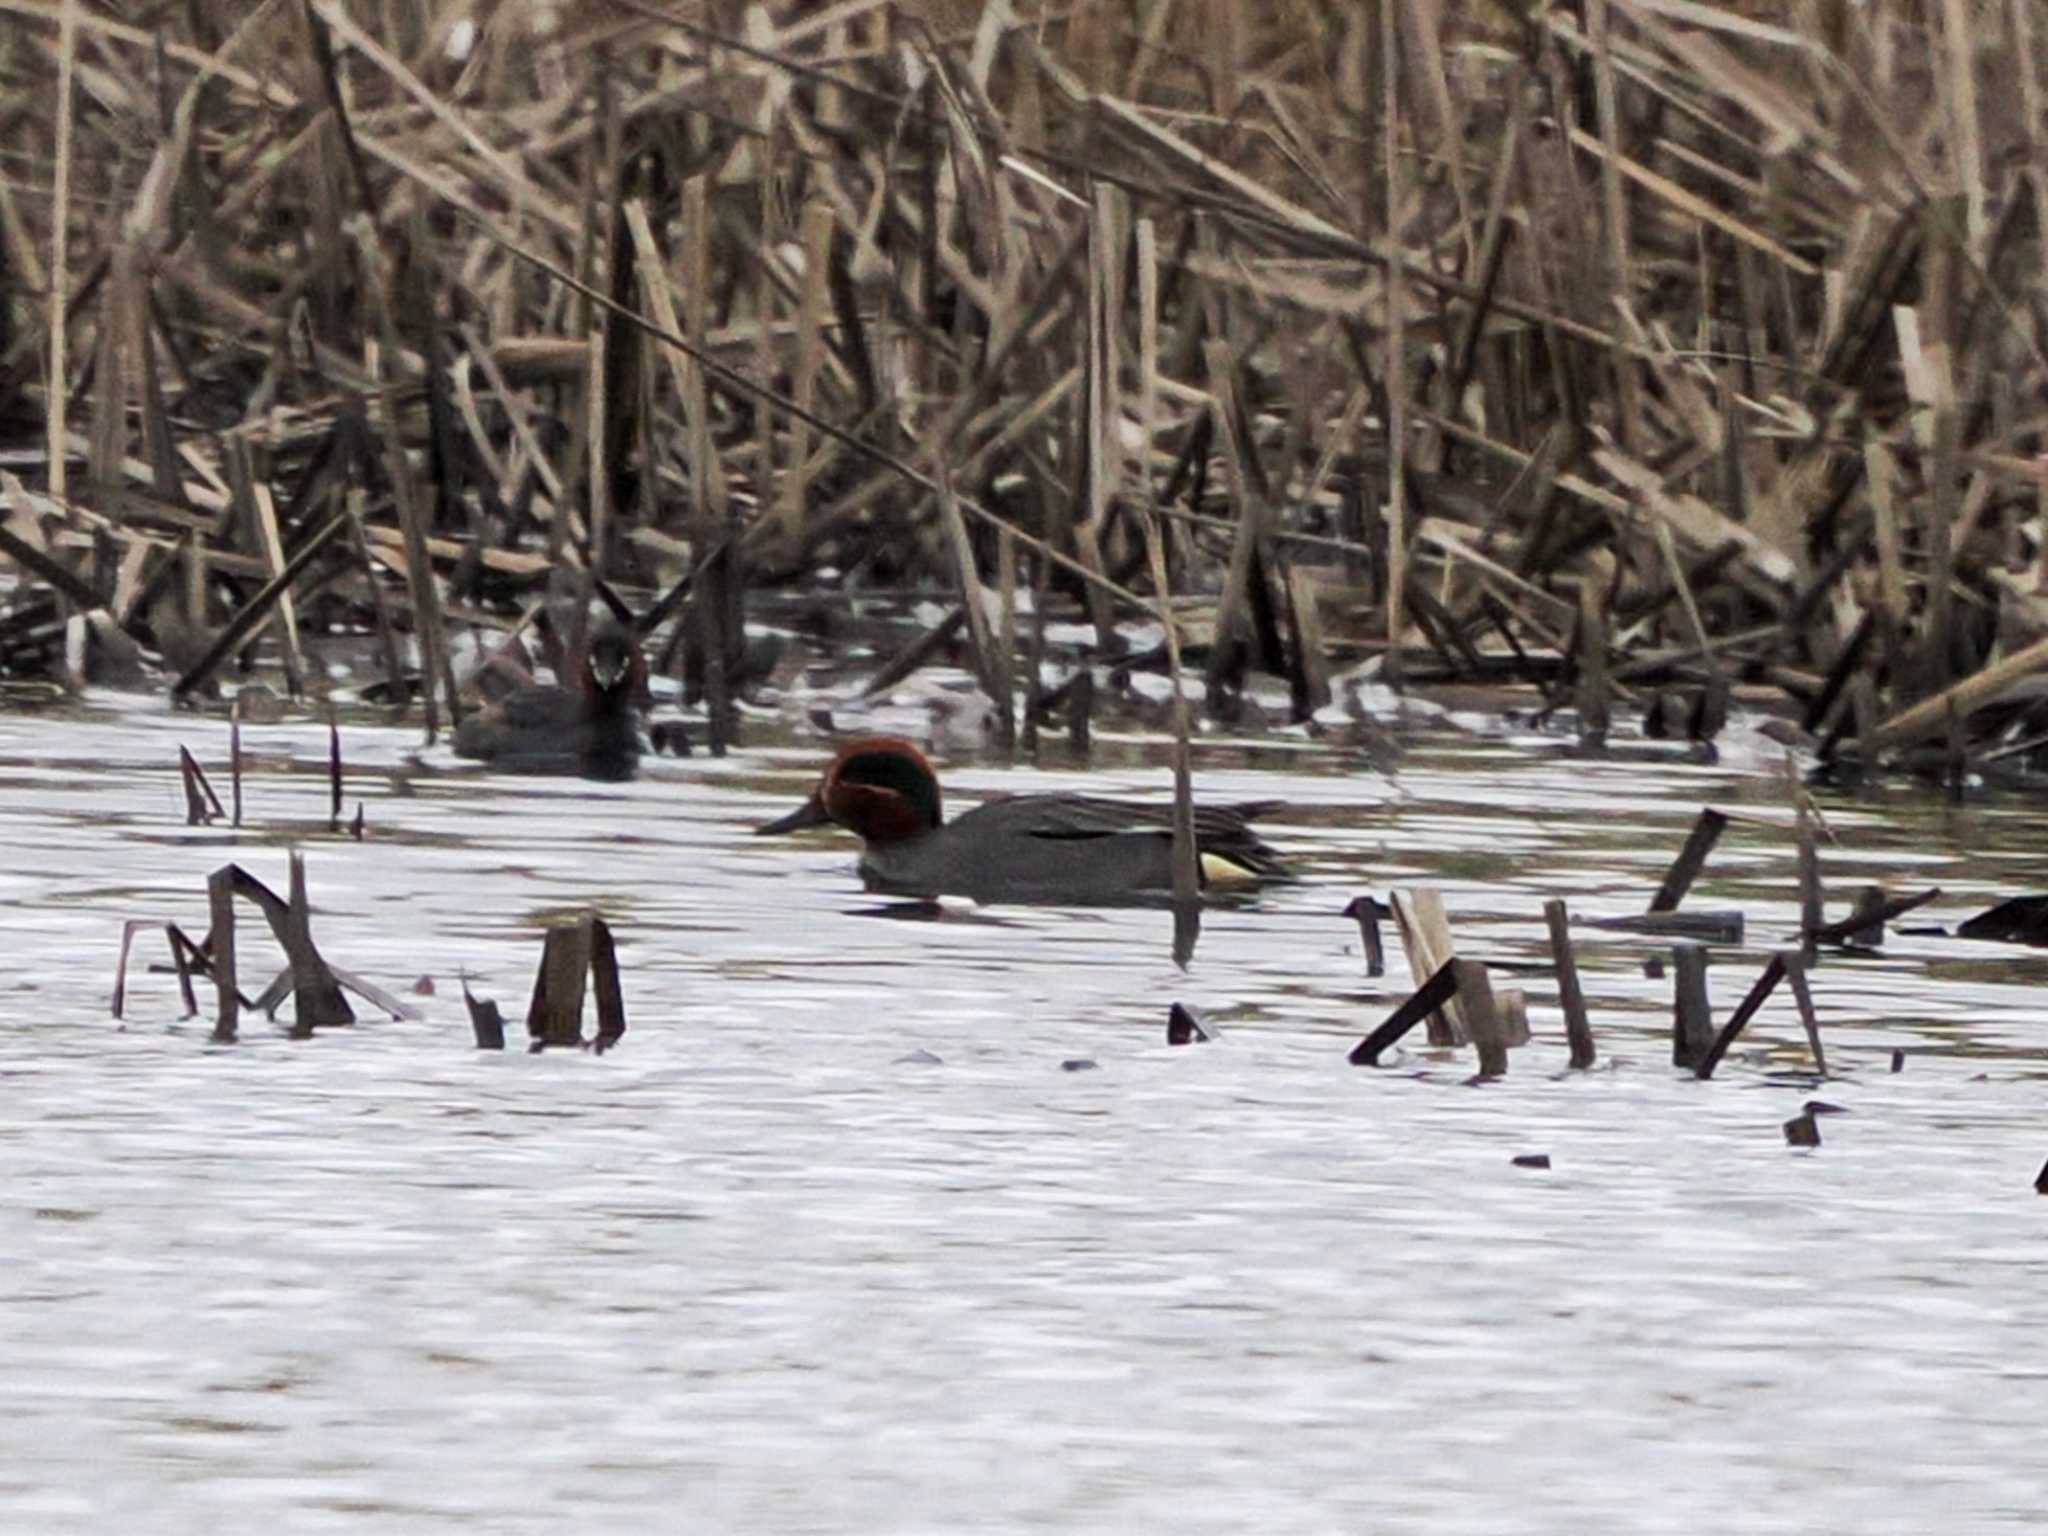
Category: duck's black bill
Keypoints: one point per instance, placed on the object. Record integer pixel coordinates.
(810, 814)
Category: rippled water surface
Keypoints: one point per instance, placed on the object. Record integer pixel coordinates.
(766, 1267)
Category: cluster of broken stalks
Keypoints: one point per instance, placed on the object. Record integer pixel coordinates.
(1633, 351)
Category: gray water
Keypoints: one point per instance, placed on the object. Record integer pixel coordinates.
(763, 1268)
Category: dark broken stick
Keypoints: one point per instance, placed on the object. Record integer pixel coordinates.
(1706, 831)
(1184, 1026)
(1424, 1001)
(317, 1000)
(235, 757)
(1871, 915)
(333, 772)
(485, 1019)
(1718, 927)
(1571, 997)
(1765, 984)
(604, 975)
(186, 958)
(220, 897)
(202, 805)
(1367, 912)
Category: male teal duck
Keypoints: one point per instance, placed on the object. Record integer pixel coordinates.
(1059, 849)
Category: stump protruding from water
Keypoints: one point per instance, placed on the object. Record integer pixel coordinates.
(1692, 1020)
(1184, 1026)
(1802, 1130)
(575, 956)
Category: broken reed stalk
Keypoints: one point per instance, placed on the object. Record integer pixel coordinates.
(1482, 1018)
(1426, 939)
(1692, 858)
(1367, 913)
(1692, 1019)
(220, 898)
(185, 959)
(988, 664)
(485, 1019)
(1081, 709)
(57, 399)
(1809, 1020)
(235, 757)
(1396, 374)
(202, 805)
(129, 929)
(333, 772)
(1187, 868)
(1931, 716)
(1424, 1002)
(1571, 996)
(317, 1001)
(1719, 927)
(1594, 710)
(1812, 900)
(1759, 992)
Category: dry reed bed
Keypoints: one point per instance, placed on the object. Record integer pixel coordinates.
(1699, 347)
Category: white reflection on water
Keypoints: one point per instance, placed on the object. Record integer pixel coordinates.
(755, 1272)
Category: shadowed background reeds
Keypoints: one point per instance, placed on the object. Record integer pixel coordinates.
(1639, 351)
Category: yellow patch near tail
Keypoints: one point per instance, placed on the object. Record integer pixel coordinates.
(1218, 870)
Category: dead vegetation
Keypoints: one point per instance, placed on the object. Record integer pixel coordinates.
(1646, 352)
